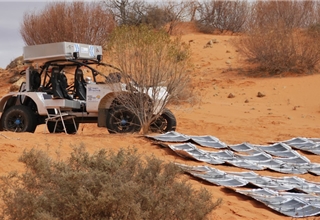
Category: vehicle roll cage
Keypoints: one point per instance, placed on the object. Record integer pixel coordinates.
(62, 63)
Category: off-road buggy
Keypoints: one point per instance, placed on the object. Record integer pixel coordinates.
(87, 99)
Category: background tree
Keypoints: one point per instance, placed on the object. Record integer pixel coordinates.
(126, 12)
(213, 15)
(176, 12)
(290, 14)
(155, 14)
(149, 60)
(79, 22)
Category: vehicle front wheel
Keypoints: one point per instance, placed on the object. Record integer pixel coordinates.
(122, 120)
(19, 118)
(165, 122)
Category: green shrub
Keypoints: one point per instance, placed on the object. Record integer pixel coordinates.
(104, 185)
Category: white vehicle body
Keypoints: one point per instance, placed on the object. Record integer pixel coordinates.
(45, 88)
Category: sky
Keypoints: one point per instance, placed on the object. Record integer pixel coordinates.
(11, 17)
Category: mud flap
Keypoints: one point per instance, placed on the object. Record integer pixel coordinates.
(102, 117)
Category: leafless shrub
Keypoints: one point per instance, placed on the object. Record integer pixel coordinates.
(290, 14)
(218, 15)
(238, 16)
(153, 15)
(79, 22)
(126, 12)
(176, 12)
(156, 14)
(314, 31)
(276, 49)
(150, 61)
(105, 185)
(157, 17)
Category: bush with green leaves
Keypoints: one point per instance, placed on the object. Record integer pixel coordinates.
(104, 185)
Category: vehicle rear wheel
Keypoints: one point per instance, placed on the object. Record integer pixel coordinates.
(122, 120)
(19, 118)
(59, 129)
(165, 122)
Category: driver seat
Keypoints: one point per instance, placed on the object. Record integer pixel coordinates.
(79, 85)
(59, 84)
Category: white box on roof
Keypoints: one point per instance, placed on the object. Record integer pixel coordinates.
(61, 50)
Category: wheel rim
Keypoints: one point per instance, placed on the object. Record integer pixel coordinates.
(160, 124)
(16, 123)
(124, 121)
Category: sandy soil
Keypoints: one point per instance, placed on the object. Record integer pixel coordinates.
(290, 108)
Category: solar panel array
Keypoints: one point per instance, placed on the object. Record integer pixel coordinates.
(280, 157)
(272, 191)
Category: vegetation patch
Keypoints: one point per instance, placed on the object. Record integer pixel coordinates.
(104, 185)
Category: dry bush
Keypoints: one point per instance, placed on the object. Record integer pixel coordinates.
(79, 22)
(155, 14)
(150, 61)
(104, 185)
(219, 15)
(276, 38)
(314, 31)
(239, 16)
(176, 12)
(276, 49)
(157, 17)
(290, 14)
(126, 12)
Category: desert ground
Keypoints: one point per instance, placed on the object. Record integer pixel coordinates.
(290, 108)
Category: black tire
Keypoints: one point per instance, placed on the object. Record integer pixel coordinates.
(19, 118)
(122, 120)
(59, 129)
(165, 122)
